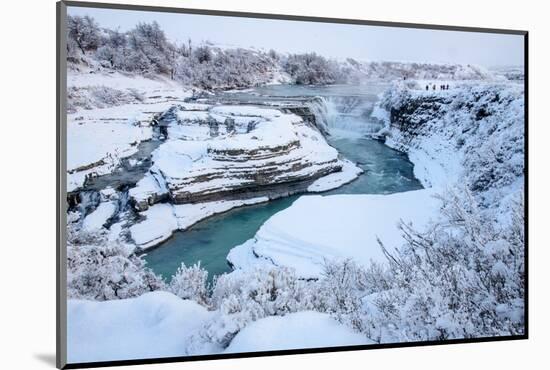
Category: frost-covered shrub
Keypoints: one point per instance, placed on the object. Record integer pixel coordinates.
(104, 96)
(340, 291)
(109, 56)
(136, 94)
(190, 283)
(245, 296)
(90, 97)
(226, 68)
(203, 54)
(462, 278)
(105, 270)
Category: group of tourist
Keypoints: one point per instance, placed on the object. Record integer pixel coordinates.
(441, 87)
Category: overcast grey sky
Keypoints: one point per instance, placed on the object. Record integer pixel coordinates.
(332, 40)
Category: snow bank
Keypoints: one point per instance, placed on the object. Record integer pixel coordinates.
(189, 132)
(106, 138)
(153, 325)
(305, 329)
(115, 80)
(159, 224)
(174, 158)
(242, 257)
(98, 218)
(336, 179)
(319, 228)
(189, 214)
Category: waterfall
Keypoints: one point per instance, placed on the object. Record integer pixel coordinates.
(324, 111)
(352, 114)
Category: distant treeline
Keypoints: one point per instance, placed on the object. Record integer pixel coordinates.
(146, 50)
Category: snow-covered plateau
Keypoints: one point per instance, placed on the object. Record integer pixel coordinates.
(242, 150)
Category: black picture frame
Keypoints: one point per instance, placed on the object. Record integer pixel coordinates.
(61, 196)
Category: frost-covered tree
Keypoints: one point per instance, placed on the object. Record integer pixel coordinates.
(98, 269)
(83, 32)
(229, 68)
(273, 55)
(312, 69)
(113, 49)
(203, 54)
(149, 50)
(190, 283)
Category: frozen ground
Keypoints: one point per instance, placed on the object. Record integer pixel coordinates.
(158, 324)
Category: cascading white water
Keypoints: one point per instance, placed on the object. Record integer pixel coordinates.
(350, 114)
(324, 111)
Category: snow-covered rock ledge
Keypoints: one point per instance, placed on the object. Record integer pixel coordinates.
(472, 132)
(217, 157)
(316, 229)
(239, 152)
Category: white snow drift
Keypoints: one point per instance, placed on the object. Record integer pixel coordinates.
(153, 325)
(306, 329)
(319, 228)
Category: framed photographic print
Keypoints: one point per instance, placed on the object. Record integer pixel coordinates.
(235, 184)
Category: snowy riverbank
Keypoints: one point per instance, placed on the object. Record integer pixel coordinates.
(316, 229)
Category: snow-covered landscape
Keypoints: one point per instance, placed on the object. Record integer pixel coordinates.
(228, 199)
